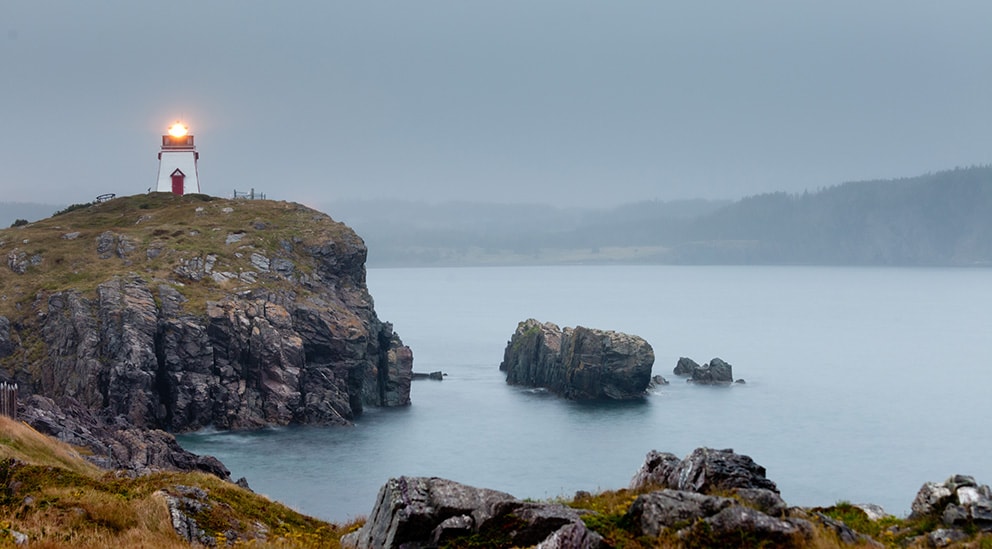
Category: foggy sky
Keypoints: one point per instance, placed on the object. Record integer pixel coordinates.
(566, 102)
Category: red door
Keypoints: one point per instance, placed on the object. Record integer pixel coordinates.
(177, 182)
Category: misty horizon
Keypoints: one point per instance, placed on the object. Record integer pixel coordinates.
(571, 104)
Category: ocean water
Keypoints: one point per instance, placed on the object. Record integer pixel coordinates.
(862, 383)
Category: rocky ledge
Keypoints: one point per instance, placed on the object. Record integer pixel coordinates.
(578, 363)
(178, 313)
(710, 498)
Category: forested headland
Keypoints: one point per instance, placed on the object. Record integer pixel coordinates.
(942, 218)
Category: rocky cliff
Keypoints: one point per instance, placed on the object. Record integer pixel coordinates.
(578, 363)
(179, 313)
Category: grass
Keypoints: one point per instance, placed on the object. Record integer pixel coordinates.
(49, 493)
(608, 510)
(181, 227)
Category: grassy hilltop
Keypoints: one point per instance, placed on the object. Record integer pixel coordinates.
(161, 231)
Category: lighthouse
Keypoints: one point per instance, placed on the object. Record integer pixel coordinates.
(177, 162)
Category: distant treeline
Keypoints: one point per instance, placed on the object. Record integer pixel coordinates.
(942, 218)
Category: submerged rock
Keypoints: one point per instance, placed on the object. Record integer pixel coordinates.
(436, 375)
(578, 363)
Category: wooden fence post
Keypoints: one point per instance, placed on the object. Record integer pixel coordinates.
(8, 399)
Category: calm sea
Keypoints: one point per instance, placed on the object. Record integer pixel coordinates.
(862, 383)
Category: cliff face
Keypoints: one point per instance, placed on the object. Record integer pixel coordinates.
(185, 312)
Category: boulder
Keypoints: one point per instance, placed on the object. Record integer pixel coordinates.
(711, 521)
(578, 363)
(959, 501)
(652, 513)
(740, 526)
(425, 512)
(705, 471)
(657, 381)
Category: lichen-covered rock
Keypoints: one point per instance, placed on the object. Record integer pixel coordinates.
(711, 521)
(578, 363)
(423, 512)
(574, 535)
(705, 471)
(653, 512)
(959, 501)
(748, 527)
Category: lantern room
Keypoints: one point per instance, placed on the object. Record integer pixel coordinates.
(177, 162)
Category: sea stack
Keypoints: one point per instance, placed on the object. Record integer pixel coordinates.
(578, 363)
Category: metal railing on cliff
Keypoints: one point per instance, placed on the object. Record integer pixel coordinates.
(8, 399)
(248, 195)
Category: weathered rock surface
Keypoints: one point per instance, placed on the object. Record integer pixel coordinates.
(705, 470)
(159, 321)
(114, 443)
(578, 363)
(412, 512)
(959, 501)
(714, 372)
(7, 346)
(685, 506)
(685, 367)
(711, 498)
(298, 341)
(654, 512)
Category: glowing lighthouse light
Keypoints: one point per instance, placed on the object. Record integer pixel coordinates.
(178, 130)
(177, 162)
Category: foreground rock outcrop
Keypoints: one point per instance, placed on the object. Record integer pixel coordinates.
(578, 363)
(959, 502)
(178, 313)
(428, 512)
(710, 498)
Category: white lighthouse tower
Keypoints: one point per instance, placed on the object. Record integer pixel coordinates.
(177, 162)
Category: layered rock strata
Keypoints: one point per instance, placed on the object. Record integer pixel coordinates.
(578, 363)
(432, 512)
(192, 312)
